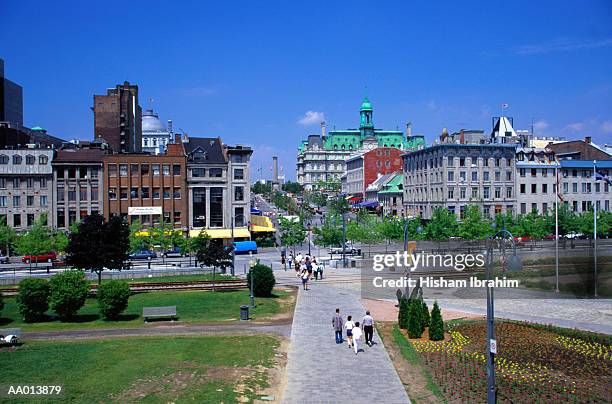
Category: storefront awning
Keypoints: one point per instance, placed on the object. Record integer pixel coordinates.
(222, 233)
(262, 224)
(262, 229)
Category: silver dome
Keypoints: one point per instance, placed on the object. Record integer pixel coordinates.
(151, 122)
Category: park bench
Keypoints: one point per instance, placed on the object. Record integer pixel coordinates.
(159, 312)
(14, 333)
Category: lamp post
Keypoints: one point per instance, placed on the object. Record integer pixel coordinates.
(309, 228)
(233, 247)
(514, 264)
(251, 265)
(343, 240)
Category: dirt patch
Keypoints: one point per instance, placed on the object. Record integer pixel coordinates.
(385, 310)
(410, 374)
(287, 308)
(277, 375)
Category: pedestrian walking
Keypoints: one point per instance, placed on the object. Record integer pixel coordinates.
(349, 330)
(368, 328)
(308, 264)
(337, 324)
(356, 337)
(305, 277)
(315, 270)
(290, 260)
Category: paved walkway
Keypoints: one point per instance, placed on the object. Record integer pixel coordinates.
(321, 371)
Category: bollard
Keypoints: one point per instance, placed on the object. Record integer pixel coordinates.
(244, 312)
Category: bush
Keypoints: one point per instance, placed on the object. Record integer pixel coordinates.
(264, 280)
(415, 325)
(113, 298)
(425, 315)
(69, 290)
(402, 317)
(1, 302)
(33, 298)
(436, 326)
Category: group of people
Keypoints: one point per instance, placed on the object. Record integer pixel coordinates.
(353, 330)
(305, 267)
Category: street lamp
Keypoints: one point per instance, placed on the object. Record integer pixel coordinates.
(309, 227)
(233, 247)
(514, 264)
(251, 265)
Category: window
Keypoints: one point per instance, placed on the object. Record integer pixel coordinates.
(16, 183)
(17, 220)
(60, 194)
(534, 207)
(497, 192)
(485, 161)
(508, 192)
(112, 193)
(123, 193)
(166, 169)
(155, 169)
(177, 193)
(144, 169)
(71, 172)
(156, 193)
(3, 201)
(30, 159)
(4, 159)
(497, 176)
(177, 217)
(486, 192)
(238, 193)
(485, 176)
(94, 173)
(30, 200)
(83, 172)
(71, 194)
(544, 208)
(522, 188)
(461, 161)
(215, 172)
(239, 218)
(462, 175)
(123, 170)
(216, 207)
(16, 201)
(144, 192)
(451, 161)
(71, 217)
(16, 159)
(238, 174)
(451, 176)
(176, 170)
(2, 183)
(94, 194)
(112, 170)
(61, 218)
(198, 172)
(166, 193)
(134, 193)
(199, 207)
(451, 193)
(534, 172)
(486, 211)
(474, 176)
(575, 187)
(522, 172)
(497, 162)
(29, 183)
(462, 192)
(474, 192)
(134, 170)
(544, 172)
(544, 188)
(509, 162)
(534, 188)
(565, 187)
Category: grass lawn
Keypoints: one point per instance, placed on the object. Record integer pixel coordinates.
(152, 369)
(179, 278)
(191, 306)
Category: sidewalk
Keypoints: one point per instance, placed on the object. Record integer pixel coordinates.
(321, 371)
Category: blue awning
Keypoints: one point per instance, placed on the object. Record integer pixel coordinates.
(367, 204)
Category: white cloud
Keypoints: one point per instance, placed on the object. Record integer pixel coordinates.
(431, 104)
(574, 127)
(562, 45)
(606, 126)
(311, 118)
(540, 125)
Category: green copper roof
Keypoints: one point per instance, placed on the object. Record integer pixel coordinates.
(37, 128)
(393, 186)
(365, 105)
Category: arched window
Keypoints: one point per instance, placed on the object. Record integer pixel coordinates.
(16, 159)
(43, 159)
(350, 147)
(30, 159)
(4, 159)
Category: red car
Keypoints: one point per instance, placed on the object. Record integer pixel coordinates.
(47, 257)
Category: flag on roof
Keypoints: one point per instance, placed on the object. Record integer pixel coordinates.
(505, 105)
(600, 176)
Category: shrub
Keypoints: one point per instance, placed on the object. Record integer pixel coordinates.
(1, 302)
(113, 298)
(69, 290)
(425, 315)
(436, 326)
(402, 317)
(264, 280)
(415, 325)
(33, 298)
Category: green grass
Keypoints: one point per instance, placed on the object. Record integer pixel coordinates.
(409, 353)
(192, 307)
(197, 369)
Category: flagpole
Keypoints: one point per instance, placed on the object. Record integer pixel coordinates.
(595, 226)
(557, 230)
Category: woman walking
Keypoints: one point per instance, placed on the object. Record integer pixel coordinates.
(305, 277)
(349, 325)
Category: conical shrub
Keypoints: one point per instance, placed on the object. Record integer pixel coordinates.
(436, 325)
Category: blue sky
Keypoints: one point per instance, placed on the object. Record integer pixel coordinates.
(250, 71)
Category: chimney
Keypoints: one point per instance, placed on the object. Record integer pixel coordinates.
(275, 169)
(323, 129)
(587, 139)
(170, 125)
(177, 138)
(409, 130)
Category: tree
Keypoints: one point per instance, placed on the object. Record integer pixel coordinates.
(585, 223)
(113, 298)
(436, 324)
(261, 188)
(1, 302)
(391, 228)
(474, 226)
(292, 232)
(69, 289)
(7, 236)
(33, 298)
(567, 220)
(98, 245)
(211, 253)
(138, 241)
(532, 225)
(442, 225)
(37, 241)
(425, 317)
(339, 205)
(415, 323)
(316, 198)
(330, 234)
(293, 187)
(402, 319)
(263, 280)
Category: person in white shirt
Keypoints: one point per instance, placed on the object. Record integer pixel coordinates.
(356, 337)
(368, 328)
(349, 325)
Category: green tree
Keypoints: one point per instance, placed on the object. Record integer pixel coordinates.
(391, 228)
(37, 241)
(425, 317)
(330, 234)
(567, 220)
(585, 223)
(292, 232)
(113, 298)
(1, 302)
(330, 186)
(211, 253)
(261, 188)
(532, 225)
(263, 280)
(293, 187)
(403, 316)
(415, 322)
(474, 226)
(33, 298)
(339, 205)
(59, 242)
(436, 324)
(442, 225)
(138, 241)
(8, 236)
(69, 289)
(98, 245)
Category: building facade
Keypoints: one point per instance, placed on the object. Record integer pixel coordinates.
(536, 180)
(391, 196)
(581, 189)
(118, 118)
(155, 135)
(11, 100)
(323, 157)
(363, 169)
(143, 180)
(26, 186)
(218, 187)
(78, 185)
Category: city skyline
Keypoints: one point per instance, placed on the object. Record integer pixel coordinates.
(204, 73)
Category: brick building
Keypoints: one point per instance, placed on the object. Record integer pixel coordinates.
(578, 150)
(362, 170)
(138, 180)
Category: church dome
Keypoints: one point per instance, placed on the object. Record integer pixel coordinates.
(151, 122)
(365, 105)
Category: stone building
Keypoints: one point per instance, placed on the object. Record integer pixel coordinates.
(155, 135)
(322, 157)
(581, 188)
(391, 196)
(26, 186)
(536, 178)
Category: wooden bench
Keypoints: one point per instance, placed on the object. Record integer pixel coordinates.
(5, 332)
(159, 312)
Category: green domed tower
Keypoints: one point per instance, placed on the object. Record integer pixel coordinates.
(366, 125)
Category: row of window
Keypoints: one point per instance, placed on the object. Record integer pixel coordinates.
(167, 193)
(585, 205)
(30, 182)
(486, 176)
(583, 173)
(84, 194)
(143, 169)
(586, 187)
(215, 172)
(534, 188)
(17, 222)
(29, 199)
(414, 164)
(73, 172)
(43, 159)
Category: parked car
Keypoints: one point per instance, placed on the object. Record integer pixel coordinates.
(3, 259)
(244, 247)
(47, 257)
(348, 249)
(173, 252)
(143, 255)
(574, 235)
